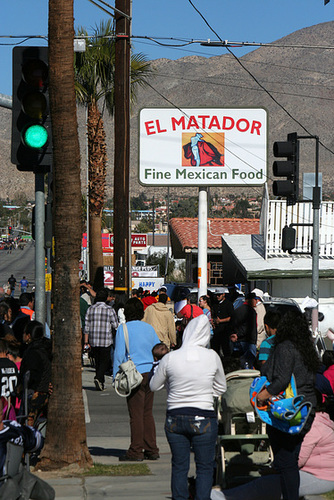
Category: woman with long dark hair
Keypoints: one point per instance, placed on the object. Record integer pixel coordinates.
(294, 353)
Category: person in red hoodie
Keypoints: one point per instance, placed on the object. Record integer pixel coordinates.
(148, 299)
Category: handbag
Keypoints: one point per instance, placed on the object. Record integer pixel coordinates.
(128, 377)
(287, 411)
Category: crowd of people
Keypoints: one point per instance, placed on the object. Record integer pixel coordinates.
(185, 352)
(25, 385)
(24, 349)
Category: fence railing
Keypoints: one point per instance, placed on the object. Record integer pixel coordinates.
(279, 215)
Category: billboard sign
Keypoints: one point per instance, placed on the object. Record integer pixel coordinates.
(202, 147)
(151, 284)
(137, 240)
(147, 276)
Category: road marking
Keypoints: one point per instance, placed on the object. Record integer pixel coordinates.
(85, 401)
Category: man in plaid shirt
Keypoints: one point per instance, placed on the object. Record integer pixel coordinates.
(100, 325)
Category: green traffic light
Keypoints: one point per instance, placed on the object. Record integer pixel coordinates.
(35, 136)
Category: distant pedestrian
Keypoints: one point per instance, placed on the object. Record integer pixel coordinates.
(12, 284)
(223, 323)
(161, 318)
(27, 304)
(148, 299)
(23, 285)
(260, 314)
(100, 326)
(204, 303)
(191, 310)
(245, 331)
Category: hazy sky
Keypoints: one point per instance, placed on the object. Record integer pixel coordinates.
(234, 20)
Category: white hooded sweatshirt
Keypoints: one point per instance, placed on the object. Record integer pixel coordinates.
(193, 374)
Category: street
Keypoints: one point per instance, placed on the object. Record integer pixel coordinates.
(20, 263)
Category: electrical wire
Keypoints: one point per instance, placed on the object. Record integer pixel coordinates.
(224, 84)
(256, 189)
(257, 81)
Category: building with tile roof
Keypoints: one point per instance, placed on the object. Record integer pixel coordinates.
(184, 242)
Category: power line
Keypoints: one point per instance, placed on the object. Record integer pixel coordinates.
(257, 81)
(224, 84)
(256, 189)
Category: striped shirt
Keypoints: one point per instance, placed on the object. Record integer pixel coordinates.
(266, 347)
(100, 323)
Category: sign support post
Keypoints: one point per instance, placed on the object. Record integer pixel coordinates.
(202, 241)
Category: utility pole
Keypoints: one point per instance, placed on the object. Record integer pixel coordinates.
(122, 147)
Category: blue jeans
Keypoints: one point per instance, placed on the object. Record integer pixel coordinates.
(184, 432)
(286, 449)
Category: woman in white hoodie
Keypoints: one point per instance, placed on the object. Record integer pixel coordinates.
(193, 375)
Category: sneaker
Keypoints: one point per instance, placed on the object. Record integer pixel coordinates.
(128, 458)
(99, 386)
(151, 456)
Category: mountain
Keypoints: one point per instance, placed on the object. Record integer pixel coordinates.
(293, 83)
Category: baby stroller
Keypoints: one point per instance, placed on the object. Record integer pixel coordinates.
(243, 445)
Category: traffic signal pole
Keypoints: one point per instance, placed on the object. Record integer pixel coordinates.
(316, 246)
(31, 143)
(289, 189)
(39, 248)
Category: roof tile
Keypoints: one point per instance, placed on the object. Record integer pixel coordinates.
(186, 230)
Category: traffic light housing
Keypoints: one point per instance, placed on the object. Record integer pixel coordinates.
(31, 121)
(288, 238)
(10, 229)
(288, 168)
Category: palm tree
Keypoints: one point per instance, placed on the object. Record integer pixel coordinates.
(66, 431)
(94, 71)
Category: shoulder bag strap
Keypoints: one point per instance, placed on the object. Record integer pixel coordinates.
(126, 338)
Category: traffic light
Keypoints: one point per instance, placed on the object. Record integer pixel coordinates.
(289, 168)
(288, 238)
(10, 229)
(31, 122)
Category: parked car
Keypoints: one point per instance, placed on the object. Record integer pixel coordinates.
(282, 305)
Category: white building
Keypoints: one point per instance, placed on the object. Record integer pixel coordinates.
(259, 260)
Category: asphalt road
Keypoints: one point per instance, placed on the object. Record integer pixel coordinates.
(20, 263)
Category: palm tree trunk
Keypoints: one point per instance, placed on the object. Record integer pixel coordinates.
(97, 159)
(95, 251)
(66, 431)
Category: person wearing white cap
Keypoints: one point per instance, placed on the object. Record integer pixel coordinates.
(260, 314)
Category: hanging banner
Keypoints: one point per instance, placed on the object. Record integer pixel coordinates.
(202, 147)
